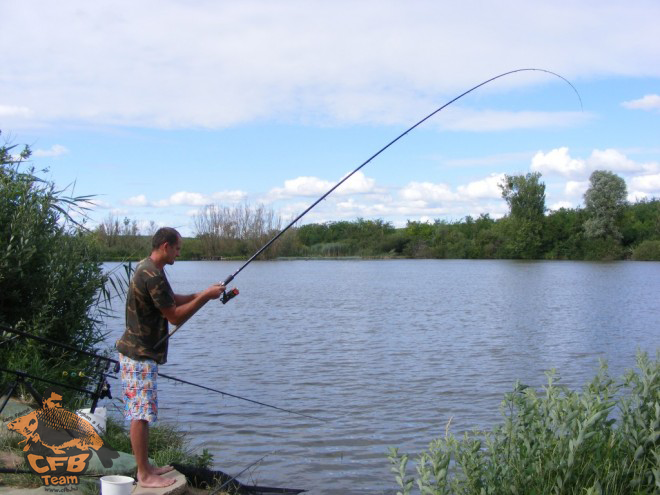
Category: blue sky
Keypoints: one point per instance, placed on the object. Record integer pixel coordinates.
(161, 107)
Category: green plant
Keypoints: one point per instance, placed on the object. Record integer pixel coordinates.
(50, 276)
(647, 251)
(604, 439)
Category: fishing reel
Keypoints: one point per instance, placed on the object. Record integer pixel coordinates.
(228, 295)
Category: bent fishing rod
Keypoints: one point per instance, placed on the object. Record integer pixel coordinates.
(233, 292)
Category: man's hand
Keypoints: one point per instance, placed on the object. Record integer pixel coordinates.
(214, 292)
(186, 306)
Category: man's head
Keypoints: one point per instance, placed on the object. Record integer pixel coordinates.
(166, 244)
(52, 398)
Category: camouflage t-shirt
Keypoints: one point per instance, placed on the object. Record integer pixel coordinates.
(145, 324)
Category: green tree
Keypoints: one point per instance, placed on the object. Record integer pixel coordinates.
(641, 222)
(604, 201)
(525, 195)
(563, 234)
(50, 277)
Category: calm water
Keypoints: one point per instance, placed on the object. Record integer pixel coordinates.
(389, 351)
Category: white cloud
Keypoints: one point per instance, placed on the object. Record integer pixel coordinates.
(484, 188)
(301, 186)
(15, 111)
(139, 200)
(426, 192)
(183, 198)
(358, 183)
(416, 200)
(576, 189)
(558, 162)
(646, 183)
(648, 102)
(613, 160)
(55, 150)
(235, 62)
(187, 198)
(468, 199)
(315, 187)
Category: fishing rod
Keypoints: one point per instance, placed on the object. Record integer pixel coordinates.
(332, 189)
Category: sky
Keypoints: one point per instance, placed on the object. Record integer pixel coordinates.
(159, 108)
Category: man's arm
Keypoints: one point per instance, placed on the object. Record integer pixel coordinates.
(186, 306)
(181, 299)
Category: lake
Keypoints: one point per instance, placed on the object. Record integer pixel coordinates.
(388, 351)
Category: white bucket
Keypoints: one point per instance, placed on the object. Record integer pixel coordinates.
(97, 420)
(116, 485)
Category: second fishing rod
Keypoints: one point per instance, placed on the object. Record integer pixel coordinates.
(228, 295)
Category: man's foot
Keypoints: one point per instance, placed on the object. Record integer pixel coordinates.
(154, 481)
(161, 470)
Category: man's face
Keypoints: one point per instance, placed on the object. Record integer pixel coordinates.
(53, 401)
(172, 251)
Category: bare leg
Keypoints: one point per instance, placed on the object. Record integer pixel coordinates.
(146, 475)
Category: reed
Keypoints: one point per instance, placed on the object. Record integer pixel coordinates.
(603, 439)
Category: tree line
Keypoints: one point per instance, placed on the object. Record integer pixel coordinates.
(608, 227)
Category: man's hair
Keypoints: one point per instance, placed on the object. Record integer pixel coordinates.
(164, 234)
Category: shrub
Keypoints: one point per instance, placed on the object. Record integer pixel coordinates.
(601, 440)
(647, 251)
(50, 279)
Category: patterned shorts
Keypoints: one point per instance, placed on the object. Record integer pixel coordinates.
(139, 390)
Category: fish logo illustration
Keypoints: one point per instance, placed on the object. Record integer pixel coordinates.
(58, 443)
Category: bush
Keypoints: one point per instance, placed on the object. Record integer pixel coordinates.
(559, 441)
(50, 278)
(647, 251)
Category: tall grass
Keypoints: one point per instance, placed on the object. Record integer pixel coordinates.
(601, 440)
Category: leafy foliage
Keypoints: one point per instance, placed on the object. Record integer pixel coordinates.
(525, 195)
(647, 251)
(604, 201)
(50, 277)
(605, 439)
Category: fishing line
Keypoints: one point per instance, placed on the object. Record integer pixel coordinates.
(233, 478)
(116, 368)
(268, 244)
(243, 398)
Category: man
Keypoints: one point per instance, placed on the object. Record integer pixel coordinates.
(150, 305)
